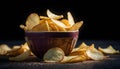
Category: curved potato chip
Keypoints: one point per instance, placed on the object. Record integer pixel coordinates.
(75, 49)
(21, 57)
(15, 47)
(78, 52)
(76, 26)
(94, 54)
(67, 58)
(70, 19)
(41, 27)
(65, 21)
(79, 58)
(83, 46)
(25, 46)
(109, 50)
(15, 51)
(32, 20)
(53, 16)
(44, 17)
(59, 23)
(4, 48)
(53, 27)
(55, 54)
(23, 27)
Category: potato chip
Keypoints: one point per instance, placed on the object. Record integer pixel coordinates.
(55, 54)
(109, 50)
(41, 27)
(20, 57)
(25, 46)
(65, 21)
(15, 47)
(75, 58)
(60, 24)
(75, 49)
(76, 26)
(4, 48)
(32, 20)
(79, 58)
(70, 19)
(67, 58)
(44, 17)
(53, 16)
(2, 52)
(83, 46)
(23, 27)
(76, 53)
(15, 51)
(53, 27)
(94, 54)
(80, 50)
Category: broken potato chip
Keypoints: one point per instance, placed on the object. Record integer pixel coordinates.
(20, 57)
(109, 50)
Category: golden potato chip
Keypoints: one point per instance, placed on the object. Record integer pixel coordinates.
(23, 27)
(109, 50)
(75, 49)
(32, 20)
(76, 26)
(70, 19)
(4, 48)
(15, 47)
(25, 46)
(20, 57)
(2, 52)
(44, 17)
(78, 59)
(65, 21)
(67, 58)
(83, 46)
(61, 29)
(75, 58)
(15, 51)
(53, 16)
(53, 27)
(80, 50)
(94, 54)
(41, 27)
(55, 54)
(60, 24)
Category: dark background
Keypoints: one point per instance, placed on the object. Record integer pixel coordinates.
(101, 18)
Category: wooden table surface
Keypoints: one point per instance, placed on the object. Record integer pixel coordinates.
(112, 62)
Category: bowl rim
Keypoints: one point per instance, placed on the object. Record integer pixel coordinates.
(51, 31)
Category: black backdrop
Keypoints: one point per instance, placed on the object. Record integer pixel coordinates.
(101, 18)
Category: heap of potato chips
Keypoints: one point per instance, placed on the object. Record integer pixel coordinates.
(53, 22)
(81, 53)
(16, 53)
